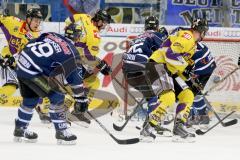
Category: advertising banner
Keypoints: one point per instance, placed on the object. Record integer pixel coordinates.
(218, 12)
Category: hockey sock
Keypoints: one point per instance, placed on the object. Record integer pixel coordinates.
(199, 106)
(57, 111)
(58, 116)
(25, 111)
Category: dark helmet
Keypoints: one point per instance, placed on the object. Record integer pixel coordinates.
(200, 25)
(73, 31)
(151, 23)
(102, 15)
(34, 13)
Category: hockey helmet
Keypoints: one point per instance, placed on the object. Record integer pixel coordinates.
(200, 25)
(34, 13)
(73, 31)
(102, 15)
(151, 23)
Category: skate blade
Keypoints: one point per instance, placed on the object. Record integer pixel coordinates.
(62, 142)
(178, 139)
(24, 140)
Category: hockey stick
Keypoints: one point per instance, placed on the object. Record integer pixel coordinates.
(226, 124)
(139, 104)
(219, 82)
(200, 132)
(119, 141)
(120, 128)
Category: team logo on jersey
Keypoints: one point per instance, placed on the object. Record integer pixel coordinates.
(15, 42)
(177, 44)
(96, 34)
(187, 35)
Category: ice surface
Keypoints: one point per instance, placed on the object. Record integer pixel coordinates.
(94, 143)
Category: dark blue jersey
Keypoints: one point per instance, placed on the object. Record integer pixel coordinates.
(48, 55)
(142, 47)
(204, 63)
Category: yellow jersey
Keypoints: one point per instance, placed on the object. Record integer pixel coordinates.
(176, 51)
(16, 34)
(88, 44)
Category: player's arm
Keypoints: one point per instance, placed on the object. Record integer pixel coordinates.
(74, 77)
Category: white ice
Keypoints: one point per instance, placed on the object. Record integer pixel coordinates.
(93, 143)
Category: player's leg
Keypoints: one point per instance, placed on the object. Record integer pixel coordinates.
(41, 87)
(25, 113)
(199, 112)
(185, 101)
(161, 85)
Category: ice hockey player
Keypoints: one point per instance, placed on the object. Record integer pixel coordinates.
(199, 74)
(175, 55)
(18, 33)
(42, 58)
(136, 58)
(88, 47)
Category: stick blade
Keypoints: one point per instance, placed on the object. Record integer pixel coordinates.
(199, 132)
(230, 123)
(128, 141)
(118, 128)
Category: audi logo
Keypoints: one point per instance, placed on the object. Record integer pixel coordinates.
(136, 30)
(231, 33)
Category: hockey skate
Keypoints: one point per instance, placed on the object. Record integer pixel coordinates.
(65, 137)
(23, 135)
(180, 133)
(78, 119)
(146, 134)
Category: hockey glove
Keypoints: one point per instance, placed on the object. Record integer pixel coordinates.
(81, 104)
(104, 67)
(164, 33)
